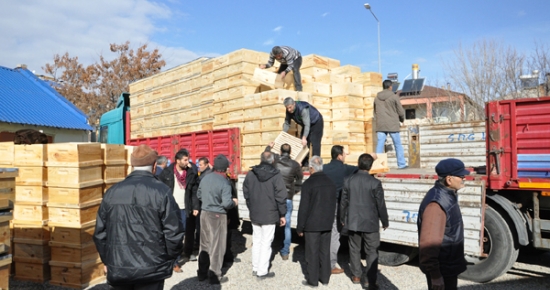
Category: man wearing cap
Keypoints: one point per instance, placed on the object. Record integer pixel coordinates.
(139, 231)
(215, 194)
(441, 229)
(290, 59)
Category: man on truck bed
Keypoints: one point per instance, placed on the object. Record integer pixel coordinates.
(290, 59)
(441, 229)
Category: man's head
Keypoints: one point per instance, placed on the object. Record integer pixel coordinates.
(338, 153)
(387, 84)
(285, 149)
(290, 104)
(203, 164)
(315, 164)
(144, 158)
(267, 157)
(451, 173)
(365, 162)
(162, 161)
(182, 159)
(277, 52)
(221, 163)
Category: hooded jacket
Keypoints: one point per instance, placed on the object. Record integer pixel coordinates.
(191, 187)
(388, 112)
(265, 193)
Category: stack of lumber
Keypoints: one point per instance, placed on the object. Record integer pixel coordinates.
(31, 252)
(223, 92)
(114, 164)
(7, 190)
(75, 182)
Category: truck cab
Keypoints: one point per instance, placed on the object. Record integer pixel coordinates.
(113, 124)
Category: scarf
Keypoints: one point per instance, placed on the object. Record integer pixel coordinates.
(180, 177)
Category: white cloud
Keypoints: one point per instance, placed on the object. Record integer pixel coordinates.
(268, 42)
(38, 30)
(277, 29)
(325, 14)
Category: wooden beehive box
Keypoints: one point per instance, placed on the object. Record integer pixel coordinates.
(114, 173)
(5, 265)
(77, 275)
(73, 215)
(62, 195)
(268, 78)
(35, 272)
(75, 177)
(380, 164)
(31, 251)
(36, 194)
(32, 175)
(31, 232)
(74, 155)
(6, 154)
(73, 253)
(5, 237)
(75, 236)
(30, 155)
(30, 213)
(7, 183)
(113, 154)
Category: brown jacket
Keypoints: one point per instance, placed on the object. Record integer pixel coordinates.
(388, 112)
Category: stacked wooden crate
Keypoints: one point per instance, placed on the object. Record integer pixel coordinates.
(75, 182)
(114, 164)
(7, 197)
(31, 252)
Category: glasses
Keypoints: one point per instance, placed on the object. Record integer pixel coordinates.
(459, 176)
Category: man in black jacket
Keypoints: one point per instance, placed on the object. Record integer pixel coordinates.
(181, 176)
(362, 207)
(139, 230)
(265, 193)
(292, 175)
(318, 197)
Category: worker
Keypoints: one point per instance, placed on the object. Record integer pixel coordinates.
(290, 59)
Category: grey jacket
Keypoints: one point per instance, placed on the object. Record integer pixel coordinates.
(215, 193)
(388, 112)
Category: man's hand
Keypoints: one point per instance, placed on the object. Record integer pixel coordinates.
(105, 269)
(282, 221)
(385, 228)
(262, 66)
(195, 212)
(271, 144)
(304, 141)
(300, 234)
(283, 74)
(438, 284)
(236, 201)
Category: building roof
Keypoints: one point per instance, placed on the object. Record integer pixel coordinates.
(25, 99)
(430, 92)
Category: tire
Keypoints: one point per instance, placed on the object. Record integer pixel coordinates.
(500, 249)
(395, 255)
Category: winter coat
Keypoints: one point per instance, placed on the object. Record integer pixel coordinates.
(317, 204)
(291, 172)
(215, 193)
(139, 230)
(362, 205)
(265, 193)
(388, 112)
(192, 184)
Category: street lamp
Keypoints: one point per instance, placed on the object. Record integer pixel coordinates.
(367, 6)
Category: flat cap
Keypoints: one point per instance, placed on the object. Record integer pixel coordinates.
(451, 166)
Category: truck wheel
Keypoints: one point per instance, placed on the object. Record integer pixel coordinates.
(498, 245)
(395, 255)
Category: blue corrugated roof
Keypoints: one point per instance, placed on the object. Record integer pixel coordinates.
(26, 99)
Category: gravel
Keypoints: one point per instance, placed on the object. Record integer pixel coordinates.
(532, 271)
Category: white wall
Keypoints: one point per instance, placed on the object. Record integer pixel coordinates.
(58, 135)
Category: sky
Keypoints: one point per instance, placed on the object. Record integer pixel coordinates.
(424, 32)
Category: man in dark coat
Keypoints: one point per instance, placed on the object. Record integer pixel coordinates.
(318, 198)
(265, 193)
(181, 176)
(362, 208)
(139, 230)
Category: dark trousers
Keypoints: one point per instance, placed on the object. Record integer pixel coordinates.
(451, 282)
(228, 256)
(317, 257)
(371, 243)
(314, 138)
(159, 285)
(192, 234)
(296, 71)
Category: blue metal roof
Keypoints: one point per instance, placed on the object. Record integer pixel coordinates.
(26, 99)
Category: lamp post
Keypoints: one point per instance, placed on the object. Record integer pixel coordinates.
(367, 6)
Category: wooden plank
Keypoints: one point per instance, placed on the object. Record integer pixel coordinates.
(76, 195)
(75, 275)
(32, 175)
(31, 193)
(75, 236)
(113, 154)
(298, 152)
(30, 155)
(6, 154)
(74, 177)
(72, 253)
(30, 213)
(69, 215)
(34, 272)
(74, 154)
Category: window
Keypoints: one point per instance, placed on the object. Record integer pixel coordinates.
(410, 114)
(103, 134)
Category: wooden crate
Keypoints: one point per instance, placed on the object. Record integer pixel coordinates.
(74, 155)
(75, 195)
(77, 275)
(268, 78)
(75, 236)
(73, 253)
(6, 154)
(5, 266)
(31, 232)
(273, 111)
(319, 61)
(128, 151)
(270, 124)
(30, 213)
(75, 177)
(106, 187)
(31, 251)
(35, 272)
(73, 215)
(347, 114)
(7, 183)
(114, 173)
(32, 175)
(30, 155)
(349, 126)
(5, 237)
(37, 194)
(113, 154)
(298, 152)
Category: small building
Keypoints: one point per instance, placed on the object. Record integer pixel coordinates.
(27, 102)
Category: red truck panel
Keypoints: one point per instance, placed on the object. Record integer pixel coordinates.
(518, 143)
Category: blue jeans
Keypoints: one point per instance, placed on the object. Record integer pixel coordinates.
(288, 231)
(183, 218)
(396, 143)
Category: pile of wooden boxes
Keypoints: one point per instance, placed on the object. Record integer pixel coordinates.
(7, 197)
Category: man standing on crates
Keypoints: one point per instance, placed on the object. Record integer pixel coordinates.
(290, 59)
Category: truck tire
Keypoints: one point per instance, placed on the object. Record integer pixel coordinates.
(499, 247)
(395, 255)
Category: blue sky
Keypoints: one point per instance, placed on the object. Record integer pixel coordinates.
(424, 32)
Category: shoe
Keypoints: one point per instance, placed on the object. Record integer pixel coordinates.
(193, 258)
(266, 276)
(284, 257)
(215, 280)
(254, 273)
(305, 283)
(356, 280)
(177, 269)
(337, 270)
(201, 277)
(371, 286)
(405, 167)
